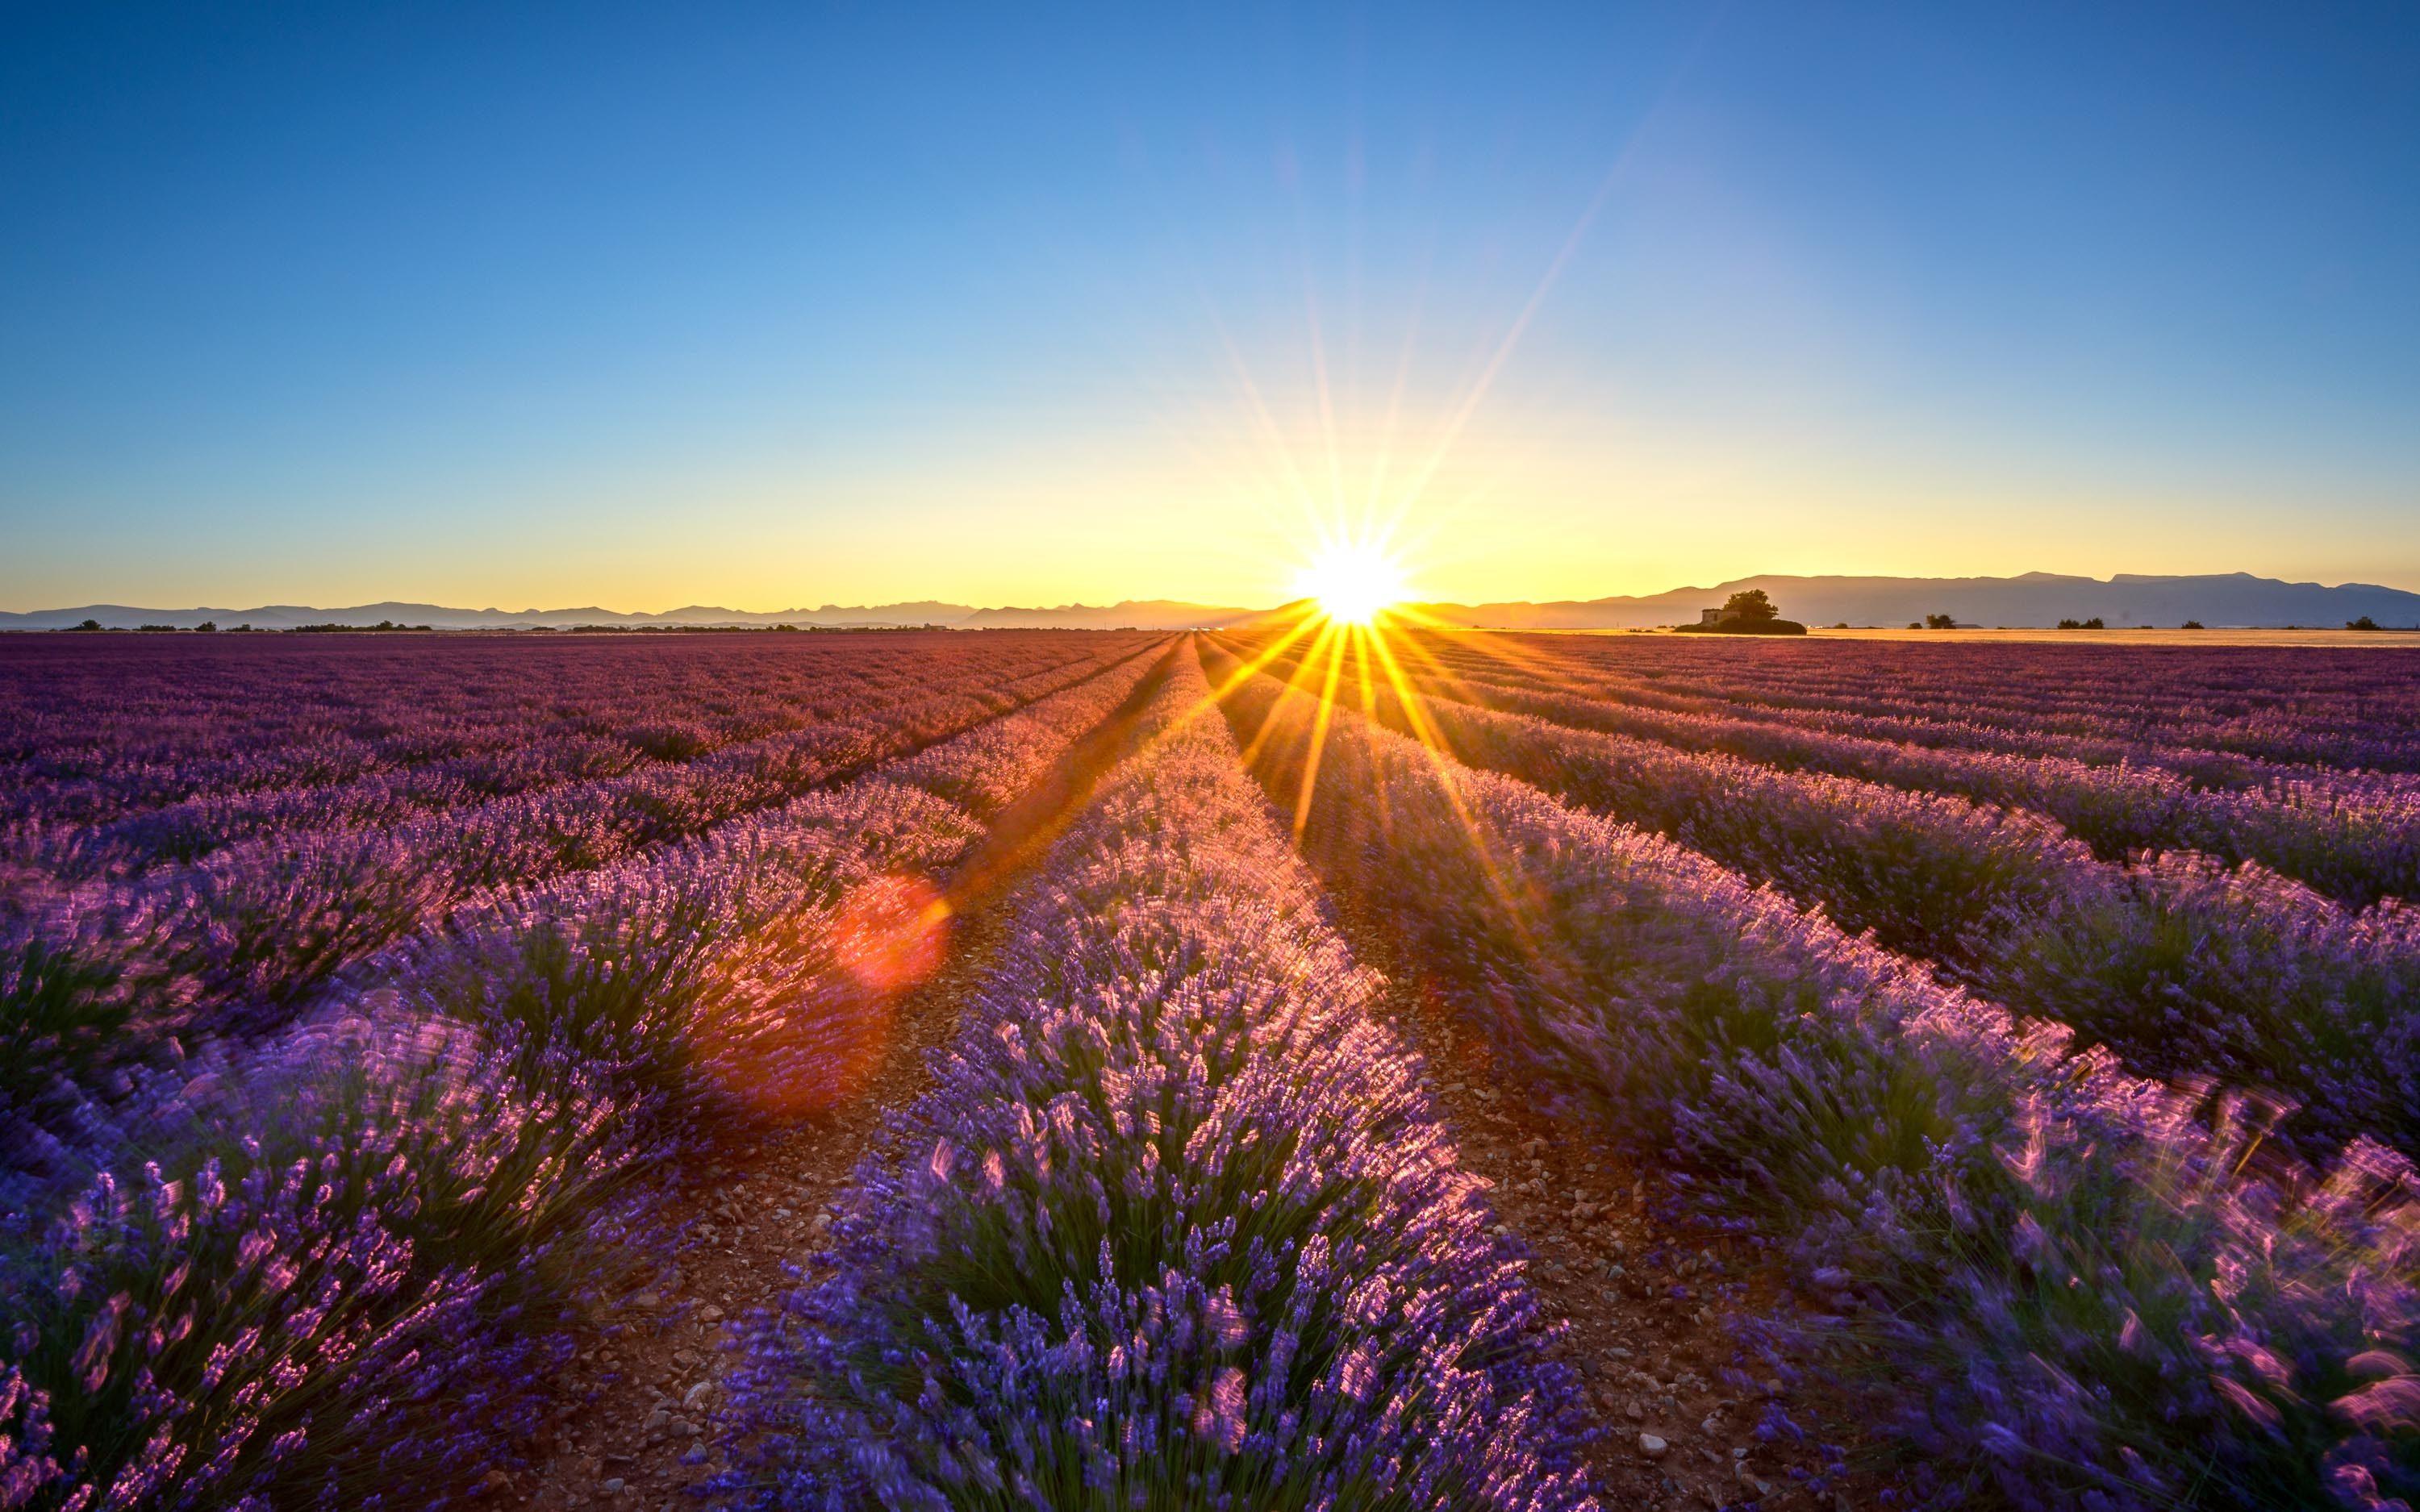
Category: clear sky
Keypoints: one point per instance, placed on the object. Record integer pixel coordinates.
(780, 306)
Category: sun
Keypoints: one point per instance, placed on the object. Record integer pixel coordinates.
(1352, 583)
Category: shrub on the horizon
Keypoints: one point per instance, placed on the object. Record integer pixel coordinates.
(1940, 621)
(2364, 623)
(1751, 606)
(1744, 628)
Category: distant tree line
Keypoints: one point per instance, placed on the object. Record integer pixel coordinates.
(206, 628)
(210, 627)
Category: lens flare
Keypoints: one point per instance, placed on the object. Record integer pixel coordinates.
(889, 933)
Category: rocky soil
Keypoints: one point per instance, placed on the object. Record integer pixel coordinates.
(1644, 1302)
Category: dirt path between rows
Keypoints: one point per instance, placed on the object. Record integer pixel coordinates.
(634, 1427)
(1643, 1300)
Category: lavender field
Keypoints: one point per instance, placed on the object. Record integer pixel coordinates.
(1308, 1067)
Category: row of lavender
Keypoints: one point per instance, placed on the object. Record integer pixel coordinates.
(337, 1268)
(2187, 968)
(2331, 701)
(233, 945)
(2354, 836)
(2215, 708)
(1176, 1226)
(2071, 1286)
(1938, 700)
(542, 746)
(94, 728)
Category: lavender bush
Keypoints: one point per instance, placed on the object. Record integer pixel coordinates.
(83, 1005)
(331, 1275)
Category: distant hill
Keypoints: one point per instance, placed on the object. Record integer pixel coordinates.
(1127, 614)
(1154, 614)
(285, 616)
(2036, 598)
(1284, 617)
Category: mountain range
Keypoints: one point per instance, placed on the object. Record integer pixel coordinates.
(1142, 614)
(2034, 598)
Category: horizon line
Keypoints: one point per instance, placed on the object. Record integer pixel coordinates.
(2114, 578)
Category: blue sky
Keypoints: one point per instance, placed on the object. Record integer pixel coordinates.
(775, 306)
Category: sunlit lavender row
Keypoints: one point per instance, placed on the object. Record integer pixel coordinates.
(2205, 710)
(2185, 966)
(2062, 1284)
(1176, 1226)
(1716, 701)
(2354, 835)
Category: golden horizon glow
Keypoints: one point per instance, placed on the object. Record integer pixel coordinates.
(1353, 583)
